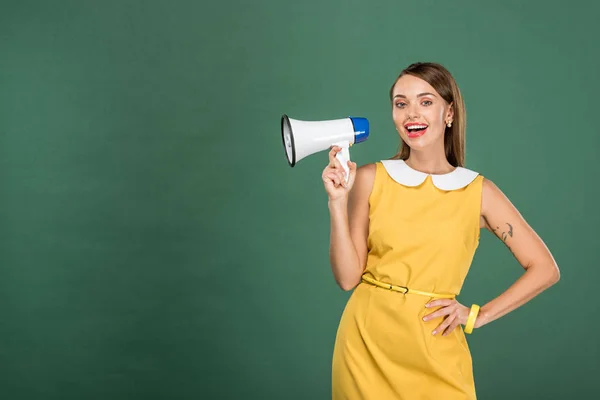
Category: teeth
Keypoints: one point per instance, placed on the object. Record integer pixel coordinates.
(417, 127)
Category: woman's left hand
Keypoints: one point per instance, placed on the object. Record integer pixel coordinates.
(457, 314)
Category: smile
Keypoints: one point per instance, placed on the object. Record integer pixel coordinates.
(415, 129)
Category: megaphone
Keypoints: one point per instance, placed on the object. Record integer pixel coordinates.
(303, 138)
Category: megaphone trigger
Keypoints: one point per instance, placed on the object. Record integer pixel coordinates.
(344, 156)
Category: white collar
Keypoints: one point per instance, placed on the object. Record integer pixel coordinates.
(402, 173)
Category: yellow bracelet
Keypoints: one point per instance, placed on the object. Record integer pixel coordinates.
(472, 317)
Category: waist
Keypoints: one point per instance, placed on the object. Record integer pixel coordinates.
(404, 289)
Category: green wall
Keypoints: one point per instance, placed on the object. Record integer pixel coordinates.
(154, 243)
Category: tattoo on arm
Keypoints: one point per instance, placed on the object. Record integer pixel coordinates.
(505, 234)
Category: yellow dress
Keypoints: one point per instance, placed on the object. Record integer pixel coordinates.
(423, 233)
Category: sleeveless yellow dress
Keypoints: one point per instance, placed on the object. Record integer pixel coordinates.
(423, 234)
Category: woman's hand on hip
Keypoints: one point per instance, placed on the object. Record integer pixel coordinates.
(456, 314)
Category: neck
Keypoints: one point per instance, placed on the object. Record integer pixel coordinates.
(429, 162)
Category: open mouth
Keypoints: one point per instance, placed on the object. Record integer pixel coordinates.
(415, 129)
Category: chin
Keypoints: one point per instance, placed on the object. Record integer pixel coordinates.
(422, 142)
(416, 143)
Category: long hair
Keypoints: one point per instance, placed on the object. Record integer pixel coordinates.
(443, 82)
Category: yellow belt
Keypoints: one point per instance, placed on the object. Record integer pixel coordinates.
(404, 289)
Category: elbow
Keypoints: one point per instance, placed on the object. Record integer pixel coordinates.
(555, 277)
(547, 273)
(347, 285)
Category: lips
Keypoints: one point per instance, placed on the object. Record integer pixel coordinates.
(415, 129)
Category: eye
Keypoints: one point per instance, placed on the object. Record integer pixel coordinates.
(427, 102)
(400, 104)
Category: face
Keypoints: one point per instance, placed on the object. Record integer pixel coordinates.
(419, 112)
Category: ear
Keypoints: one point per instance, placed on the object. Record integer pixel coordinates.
(450, 112)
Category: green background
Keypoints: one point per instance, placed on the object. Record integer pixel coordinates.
(154, 243)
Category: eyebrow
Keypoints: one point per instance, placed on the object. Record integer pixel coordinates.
(419, 95)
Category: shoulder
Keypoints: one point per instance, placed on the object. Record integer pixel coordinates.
(364, 180)
(366, 171)
(490, 191)
(492, 198)
(365, 174)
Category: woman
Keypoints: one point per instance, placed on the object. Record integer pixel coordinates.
(403, 234)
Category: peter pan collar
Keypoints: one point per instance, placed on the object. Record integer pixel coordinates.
(402, 173)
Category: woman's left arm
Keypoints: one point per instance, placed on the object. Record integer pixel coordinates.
(500, 217)
(541, 271)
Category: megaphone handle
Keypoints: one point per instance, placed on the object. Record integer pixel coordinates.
(344, 156)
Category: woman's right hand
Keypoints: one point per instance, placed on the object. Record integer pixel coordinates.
(333, 176)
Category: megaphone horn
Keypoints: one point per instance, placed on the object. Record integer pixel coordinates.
(303, 138)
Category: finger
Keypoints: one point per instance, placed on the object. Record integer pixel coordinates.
(331, 169)
(338, 163)
(444, 324)
(328, 175)
(332, 160)
(333, 166)
(340, 180)
(352, 166)
(440, 302)
(452, 326)
(332, 153)
(334, 178)
(439, 313)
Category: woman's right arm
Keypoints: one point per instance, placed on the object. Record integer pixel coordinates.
(349, 217)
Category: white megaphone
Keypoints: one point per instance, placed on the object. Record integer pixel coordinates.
(303, 138)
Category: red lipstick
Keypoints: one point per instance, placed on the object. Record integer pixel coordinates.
(415, 129)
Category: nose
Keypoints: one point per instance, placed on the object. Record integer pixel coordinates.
(412, 112)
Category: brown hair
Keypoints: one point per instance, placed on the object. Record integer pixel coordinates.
(443, 82)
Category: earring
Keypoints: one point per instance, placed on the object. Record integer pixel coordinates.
(449, 124)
